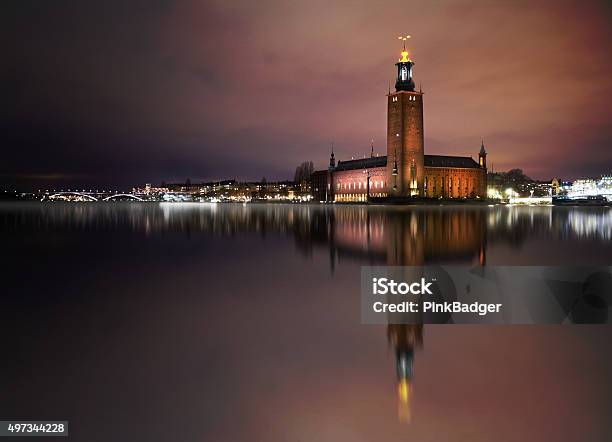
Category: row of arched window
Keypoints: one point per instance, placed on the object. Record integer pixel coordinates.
(359, 185)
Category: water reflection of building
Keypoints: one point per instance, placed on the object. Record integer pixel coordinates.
(435, 234)
(371, 235)
(389, 236)
(399, 237)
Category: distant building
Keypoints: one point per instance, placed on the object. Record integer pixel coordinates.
(232, 190)
(405, 171)
(555, 186)
(584, 188)
(148, 189)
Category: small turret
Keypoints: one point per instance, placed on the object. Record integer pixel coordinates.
(482, 156)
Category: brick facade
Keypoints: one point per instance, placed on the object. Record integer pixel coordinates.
(405, 142)
(453, 182)
(352, 185)
(438, 182)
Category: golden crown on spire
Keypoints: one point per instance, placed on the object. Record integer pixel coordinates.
(404, 52)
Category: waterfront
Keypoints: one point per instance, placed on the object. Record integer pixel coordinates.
(241, 322)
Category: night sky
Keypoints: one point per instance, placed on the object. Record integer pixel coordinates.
(128, 92)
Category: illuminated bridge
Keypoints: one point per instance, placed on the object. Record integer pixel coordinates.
(85, 196)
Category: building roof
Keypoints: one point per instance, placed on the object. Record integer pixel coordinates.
(430, 161)
(362, 163)
(449, 161)
(320, 172)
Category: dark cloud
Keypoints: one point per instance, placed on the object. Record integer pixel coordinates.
(150, 91)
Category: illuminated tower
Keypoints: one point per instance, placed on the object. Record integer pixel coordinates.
(329, 189)
(482, 156)
(482, 162)
(405, 139)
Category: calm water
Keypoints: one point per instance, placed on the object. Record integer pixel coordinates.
(197, 322)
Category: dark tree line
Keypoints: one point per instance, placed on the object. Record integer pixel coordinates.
(303, 172)
(516, 176)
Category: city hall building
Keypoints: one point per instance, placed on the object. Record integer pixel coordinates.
(405, 171)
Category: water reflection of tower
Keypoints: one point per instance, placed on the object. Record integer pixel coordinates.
(414, 238)
(431, 235)
(405, 241)
(405, 338)
(408, 237)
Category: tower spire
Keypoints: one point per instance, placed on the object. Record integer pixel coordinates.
(401, 37)
(482, 155)
(372, 150)
(404, 81)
